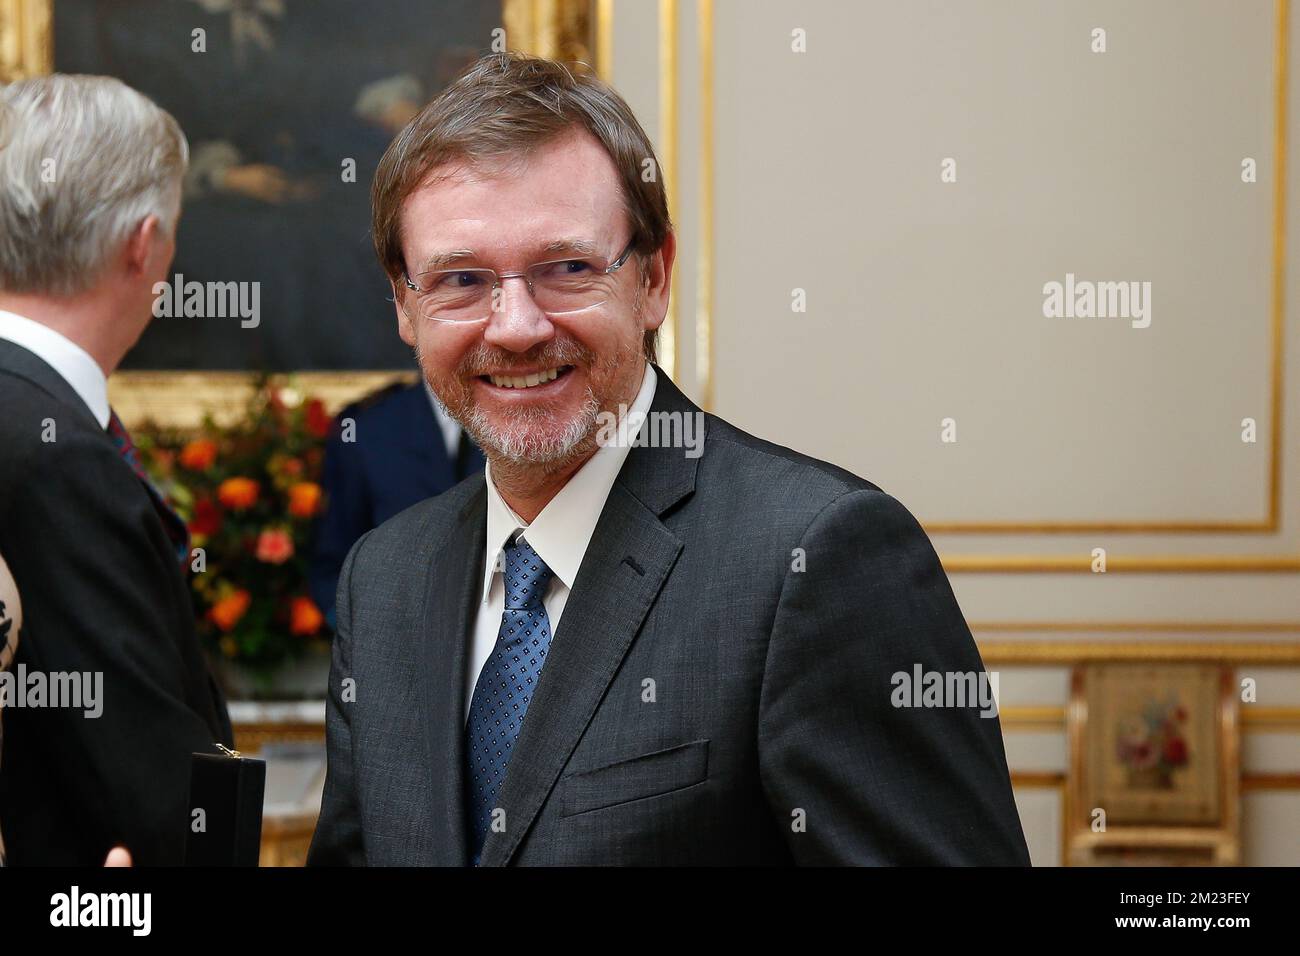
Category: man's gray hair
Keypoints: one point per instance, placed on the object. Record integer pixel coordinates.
(83, 161)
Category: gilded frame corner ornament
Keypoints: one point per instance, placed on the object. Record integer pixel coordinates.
(26, 38)
(556, 29)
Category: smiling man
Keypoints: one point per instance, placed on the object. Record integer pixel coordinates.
(621, 653)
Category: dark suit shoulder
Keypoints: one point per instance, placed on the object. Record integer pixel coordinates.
(771, 479)
(381, 402)
(42, 434)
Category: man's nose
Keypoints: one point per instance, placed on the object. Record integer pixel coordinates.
(516, 323)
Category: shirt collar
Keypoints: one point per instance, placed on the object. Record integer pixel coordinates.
(73, 363)
(561, 532)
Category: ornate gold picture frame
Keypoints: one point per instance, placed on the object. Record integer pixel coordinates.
(1154, 764)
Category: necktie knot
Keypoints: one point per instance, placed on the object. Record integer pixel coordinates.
(526, 576)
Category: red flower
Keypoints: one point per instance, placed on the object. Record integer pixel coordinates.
(317, 420)
(1175, 752)
(305, 617)
(274, 546)
(207, 518)
(1143, 756)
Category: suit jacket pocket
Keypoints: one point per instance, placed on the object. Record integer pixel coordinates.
(648, 775)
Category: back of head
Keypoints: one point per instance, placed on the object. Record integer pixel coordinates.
(83, 159)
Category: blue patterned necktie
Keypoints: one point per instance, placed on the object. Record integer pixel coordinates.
(505, 685)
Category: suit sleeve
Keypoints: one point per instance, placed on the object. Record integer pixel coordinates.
(851, 778)
(338, 840)
(91, 575)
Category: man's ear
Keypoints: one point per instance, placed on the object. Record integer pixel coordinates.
(659, 283)
(140, 246)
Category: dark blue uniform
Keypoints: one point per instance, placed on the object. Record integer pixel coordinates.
(398, 457)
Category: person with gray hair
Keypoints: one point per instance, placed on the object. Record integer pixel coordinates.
(92, 174)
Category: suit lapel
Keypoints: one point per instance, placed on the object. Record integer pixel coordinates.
(627, 562)
(452, 598)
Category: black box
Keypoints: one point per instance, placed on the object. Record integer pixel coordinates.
(229, 789)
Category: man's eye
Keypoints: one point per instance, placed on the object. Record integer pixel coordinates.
(567, 269)
(449, 281)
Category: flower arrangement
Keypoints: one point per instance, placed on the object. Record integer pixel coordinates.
(1151, 746)
(249, 492)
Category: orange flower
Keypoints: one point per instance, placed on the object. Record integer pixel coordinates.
(305, 617)
(227, 612)
(304, 499)
(274, 546)
(199, 454)
(238, 494)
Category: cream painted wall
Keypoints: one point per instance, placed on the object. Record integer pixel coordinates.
(924, 302)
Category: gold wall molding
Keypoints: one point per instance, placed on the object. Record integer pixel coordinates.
(704, 253)
(1122, 564)
(605, 39)
(1050, 718)
(1253, 526)
(1038, 779)
(1270, 781)
(1007, 653)
(1270, 720)
(556, 29)
(1191, 627)
(669, 340)
(182, 399)
(26, 39)
(1047, 718)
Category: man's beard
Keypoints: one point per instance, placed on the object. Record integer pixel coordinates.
(533, 436)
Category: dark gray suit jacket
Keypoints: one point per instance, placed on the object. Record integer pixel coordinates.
(705, 700)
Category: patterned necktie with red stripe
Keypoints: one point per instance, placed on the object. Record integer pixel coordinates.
(176, 530)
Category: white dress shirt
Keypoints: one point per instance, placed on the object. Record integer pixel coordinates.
(70, 360)
(559, 534)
